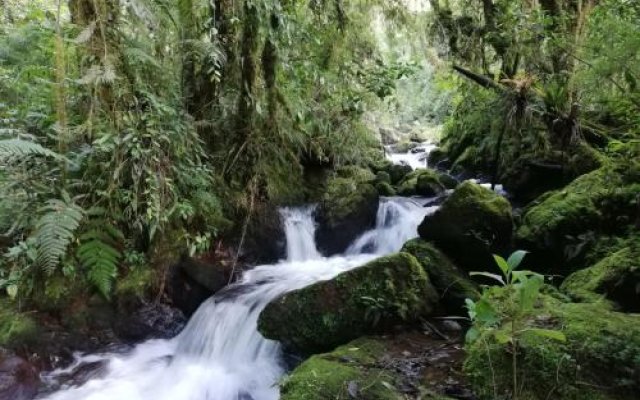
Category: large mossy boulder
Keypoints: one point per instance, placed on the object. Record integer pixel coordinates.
(452, 284)
(421, 182)
(470, 226)
(371, 298)
(600, 358)
(615, 278)
(347, 209)
(354, 371)
(530, 176)
(604, 201)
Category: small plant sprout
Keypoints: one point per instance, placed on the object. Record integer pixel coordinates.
(506, 321)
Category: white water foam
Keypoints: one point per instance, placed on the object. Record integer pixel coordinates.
(220, 355)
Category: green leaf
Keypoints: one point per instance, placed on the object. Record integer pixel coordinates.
(495, 277)
(472, 335)
(529, 290)
(485, 313)
(502, 264)
(502, 336)
(515, 259)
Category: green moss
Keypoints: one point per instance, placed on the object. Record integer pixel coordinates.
(385, 189)
(16, 329)
(601, 202)
(599, 360)
(367, 299)
(421, 182)
(473, 223)
(328, 376)
(345, 197)
(398, 172)
(452, 284)
(135, 284)
(615, 278)
(356, 173)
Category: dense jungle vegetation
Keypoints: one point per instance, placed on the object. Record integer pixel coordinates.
(135, 133)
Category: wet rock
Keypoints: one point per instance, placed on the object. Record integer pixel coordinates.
(191, 282)
(371, 298)
(471, 225)
(438, 159)
(152, 321)
(19, 379)
(421, 182)
(347, 209)
(453, 285)
(398, 172)
(403, 366)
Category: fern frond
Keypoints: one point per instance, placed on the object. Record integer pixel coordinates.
(19, 148)
(98, 251)
(55, 230)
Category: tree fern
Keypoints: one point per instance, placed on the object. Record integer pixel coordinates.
(55, 230)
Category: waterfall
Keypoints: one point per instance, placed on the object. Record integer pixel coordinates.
(220, 355)
(300, 229)
(396, 222)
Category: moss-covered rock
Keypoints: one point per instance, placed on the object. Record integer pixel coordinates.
(600, 358)
(437, 158)
(421, 182)
(385, 189)
(448, 181)
(350, 371)
(16, 329)
(398, 172)
(602, 202)
(347, 209)
(453, 285)
(472, 224)
(615, 278)
(371, 298)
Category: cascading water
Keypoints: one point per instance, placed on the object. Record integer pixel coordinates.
(220, 355)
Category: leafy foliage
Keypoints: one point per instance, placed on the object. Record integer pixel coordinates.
(55, 230)
(506, 324)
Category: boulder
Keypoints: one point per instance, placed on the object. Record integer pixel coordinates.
(421, 182)
(437, 159)
(152, 321)
(615, 278)
(19, 380)
(452, 284)
(347, 209)
(191, 282)
(470, 226)
(598, 360)
(362, 369)
(397, 172)
(367, 299)
(604, 201)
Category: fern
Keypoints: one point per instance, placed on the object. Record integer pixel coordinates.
(98, 255)
(19, 148)
(98, 251)
(55, 230)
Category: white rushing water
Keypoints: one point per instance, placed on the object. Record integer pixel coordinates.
(220, 355)
(415, 158)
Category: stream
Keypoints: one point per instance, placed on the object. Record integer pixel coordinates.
(220, 355)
